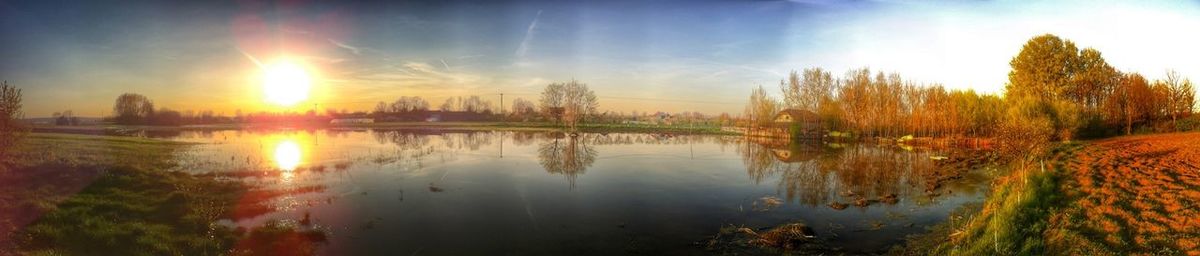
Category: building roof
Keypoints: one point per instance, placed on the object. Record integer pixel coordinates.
(798, 114)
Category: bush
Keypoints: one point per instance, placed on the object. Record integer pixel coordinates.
(11, 129)
(1191, 123)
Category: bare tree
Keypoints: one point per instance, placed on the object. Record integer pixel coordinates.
(578, 103)
(447, 105)
(761, 108)
(1181, 97)
(523, 108)
(552, 101)
(475, 104)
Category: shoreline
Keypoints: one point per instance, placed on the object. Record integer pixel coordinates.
(437, 126)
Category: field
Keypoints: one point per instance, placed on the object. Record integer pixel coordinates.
(1134, 195)
(1131, 195)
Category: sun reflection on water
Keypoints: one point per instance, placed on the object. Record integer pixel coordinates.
(287, 155)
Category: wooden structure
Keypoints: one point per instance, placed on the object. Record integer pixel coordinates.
(806, 123)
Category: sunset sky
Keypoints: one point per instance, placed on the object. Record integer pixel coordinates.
(645, 56)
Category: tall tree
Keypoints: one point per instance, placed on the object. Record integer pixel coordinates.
(1093, 82)
(761, 108)
(1045, 68)
(579, 102)
(1130, 102)
(132, 108)
(1181, 96)
(523, 108)
(552, 101)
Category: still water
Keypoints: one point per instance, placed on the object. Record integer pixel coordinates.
(404, 192)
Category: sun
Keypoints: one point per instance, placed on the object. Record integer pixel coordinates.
(285, 83)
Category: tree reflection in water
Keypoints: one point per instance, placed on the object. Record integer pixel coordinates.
(814, 174)
(569, 156)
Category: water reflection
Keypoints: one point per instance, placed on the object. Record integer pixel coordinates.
(568, 156)
(287, 155)
(377, 188)
(822, 174)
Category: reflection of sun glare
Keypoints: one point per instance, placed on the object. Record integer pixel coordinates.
(285, 83)
(287, 155)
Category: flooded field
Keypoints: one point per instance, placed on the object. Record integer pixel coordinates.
(446, 193)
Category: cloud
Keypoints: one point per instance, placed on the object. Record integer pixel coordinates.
(352, 48)
(444, 64)
(528, 35)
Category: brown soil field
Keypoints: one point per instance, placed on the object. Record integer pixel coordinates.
(1131, 195)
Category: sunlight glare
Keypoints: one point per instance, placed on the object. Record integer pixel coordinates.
(285, 83)
(287, 155)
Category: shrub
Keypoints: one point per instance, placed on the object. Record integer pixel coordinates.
(11, 129)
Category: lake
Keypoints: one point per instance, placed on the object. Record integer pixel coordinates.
(407, 192)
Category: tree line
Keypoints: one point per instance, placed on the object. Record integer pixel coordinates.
(878, 105)
(1055, 91)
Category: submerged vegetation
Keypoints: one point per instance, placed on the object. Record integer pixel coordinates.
(82, 194)
(1011, 221)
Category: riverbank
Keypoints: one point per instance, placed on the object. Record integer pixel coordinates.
(438, 126)
(69, 194)
(1124, 195)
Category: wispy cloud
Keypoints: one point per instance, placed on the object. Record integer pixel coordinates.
(528, 35)
(353, 49)
(444, 64)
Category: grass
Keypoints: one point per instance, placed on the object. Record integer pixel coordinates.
(1013, 219)
(1131, 195)
(81, 195)
(130, 211)
(81, 150)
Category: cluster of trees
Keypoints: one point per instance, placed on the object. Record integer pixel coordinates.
(137, 109)
(407, 104)
(1055, 91)
(66, 118)
(415, 108)
(523, 110)
(1066, 92)
(132, 108)
(568, 103)
(879, 105)
(404, 104)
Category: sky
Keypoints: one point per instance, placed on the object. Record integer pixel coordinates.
(640, 56)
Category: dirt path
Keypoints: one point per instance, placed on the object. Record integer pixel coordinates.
(1132, 195)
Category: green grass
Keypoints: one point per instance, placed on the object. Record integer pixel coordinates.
(79, 150)
(130, 211)
(1012, 221)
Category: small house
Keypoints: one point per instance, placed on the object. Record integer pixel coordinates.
(807, 121)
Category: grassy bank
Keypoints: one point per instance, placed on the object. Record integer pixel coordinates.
(1012, 220)
(79, 194)
(1130, 195)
